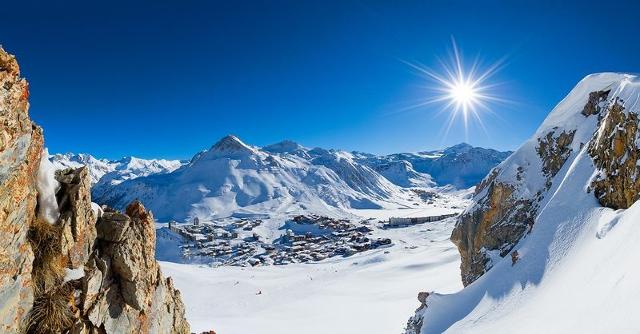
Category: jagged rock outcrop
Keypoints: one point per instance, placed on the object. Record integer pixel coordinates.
(615, 153)
(495, 225)
(77, 218)
(122, 289)
(594, 103)
(20, 154)
(88, 272)
(414, 324)
(554, 149)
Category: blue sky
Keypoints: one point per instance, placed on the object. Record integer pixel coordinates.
(169, 78)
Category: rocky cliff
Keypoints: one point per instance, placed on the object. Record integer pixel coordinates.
(83, 271)
(20, 154)
(550, 200)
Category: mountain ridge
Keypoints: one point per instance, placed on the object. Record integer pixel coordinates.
(231, 143)
(233, 177)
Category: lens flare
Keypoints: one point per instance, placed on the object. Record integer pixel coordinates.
(463, 91)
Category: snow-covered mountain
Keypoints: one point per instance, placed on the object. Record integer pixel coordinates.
(461, 166)
(549, 243)
(105, 173)
(97, 167)
(233, 178)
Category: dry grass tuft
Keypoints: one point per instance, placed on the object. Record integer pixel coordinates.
(48, 263)
(50, 312)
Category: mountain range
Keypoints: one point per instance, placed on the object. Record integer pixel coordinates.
(112, 172)
(461, 166)
(236, 179)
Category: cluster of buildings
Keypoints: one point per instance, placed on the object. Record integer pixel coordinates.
(201, 232)
(305, 239)
(336, 237)
(409, 221)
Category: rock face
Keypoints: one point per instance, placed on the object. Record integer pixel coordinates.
(20, 153)
(554, 149)
(593, 105)
(89, 272)
(494, 226)
(615, 154)
(504, 209)
(123, 289)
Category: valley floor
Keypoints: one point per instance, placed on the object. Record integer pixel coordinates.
(371, 292)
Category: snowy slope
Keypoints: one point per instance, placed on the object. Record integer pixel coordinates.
(461, 165)
(574, 269)
(401, 172)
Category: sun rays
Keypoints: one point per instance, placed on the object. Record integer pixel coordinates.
(461, 91)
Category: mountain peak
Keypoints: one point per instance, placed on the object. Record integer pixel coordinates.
(461, 145)
(458, 148)
(229, 144)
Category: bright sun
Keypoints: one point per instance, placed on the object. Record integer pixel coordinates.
(463, 91)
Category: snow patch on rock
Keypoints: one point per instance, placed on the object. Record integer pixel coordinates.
(47, 187)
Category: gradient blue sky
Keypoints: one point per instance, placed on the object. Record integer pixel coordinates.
(169, 78)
